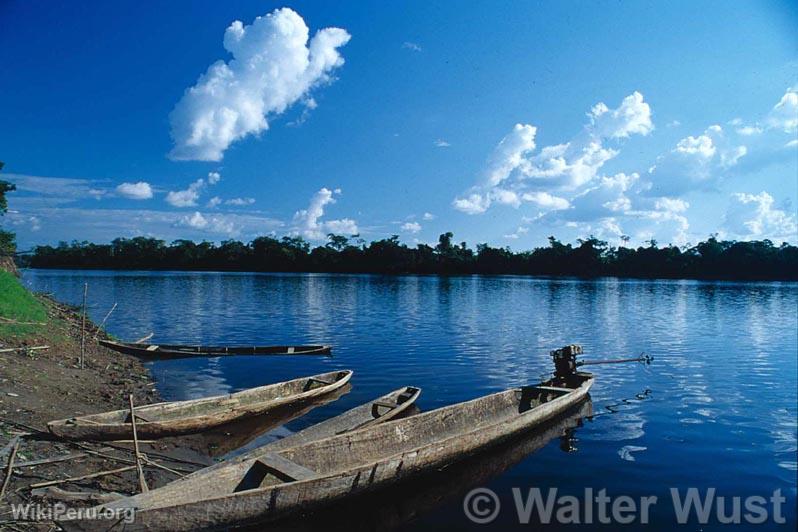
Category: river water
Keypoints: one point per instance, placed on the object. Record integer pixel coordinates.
(716, 409)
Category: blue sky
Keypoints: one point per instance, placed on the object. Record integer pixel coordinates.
(502, 123)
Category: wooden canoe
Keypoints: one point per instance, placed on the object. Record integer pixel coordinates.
(396, 507)
(186, 351)
(186, 417)
(278, 484)
(380, 410)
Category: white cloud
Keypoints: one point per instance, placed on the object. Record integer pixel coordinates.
(307, 221)
(57, 189)
(505, 197)
(671, 204)
(415, 47)
(784, 114)
(428, 216)
(212, 224)
(214, 202)
(510, 152)
(196, 220)
(440, 143)
(633, 116)
(748, 131)
(240, 201)
(695, 163)
(274, 65)
(521, 230)
(473, 204)
(752, 216)
(673, 123)
(411, 227)
(137, 191)
(546, 200)
(189, 196)
(514, 174)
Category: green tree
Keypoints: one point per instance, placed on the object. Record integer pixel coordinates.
(7, 238)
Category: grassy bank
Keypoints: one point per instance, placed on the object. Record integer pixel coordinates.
(21, 313)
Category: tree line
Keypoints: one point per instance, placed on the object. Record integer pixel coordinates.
(590, 257)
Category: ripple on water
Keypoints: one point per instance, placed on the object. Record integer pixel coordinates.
(719, 401)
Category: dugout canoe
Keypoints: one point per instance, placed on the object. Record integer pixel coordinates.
(280, 483)
(187, 351)
(186, 417)
(380, 410)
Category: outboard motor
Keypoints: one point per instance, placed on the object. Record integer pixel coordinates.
(565, 361)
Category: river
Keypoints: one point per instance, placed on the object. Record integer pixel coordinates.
(717, 407)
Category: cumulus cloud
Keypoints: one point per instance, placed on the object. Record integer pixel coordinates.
(632, 117)
(440, 143)
(428, 216)
(408, 45)
(546, 200)
(411, 227)
(308, 221)
(784, 114)
(696, 162)
(136, 191)
(211, 224)
(516, 174)
(189, 196)
(274, 64)
(753, 216)
(214, 202)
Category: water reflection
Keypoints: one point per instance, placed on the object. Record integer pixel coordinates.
(393, 508)
(723, 388)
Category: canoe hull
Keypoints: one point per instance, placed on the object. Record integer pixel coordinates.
(227, 409)
(282, 500)
(152, 351)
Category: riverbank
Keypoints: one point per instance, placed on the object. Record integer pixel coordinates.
(39, 385)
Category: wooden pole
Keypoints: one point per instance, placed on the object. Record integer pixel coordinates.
(142, 480)
(83, 477)
(100, 328)
(83, 327)
(9, 468)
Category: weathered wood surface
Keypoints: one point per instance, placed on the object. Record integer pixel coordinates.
(186, 417)
(151, 351)
(349, 464)
(356, 418)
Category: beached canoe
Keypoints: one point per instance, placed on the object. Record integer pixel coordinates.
(186, 417)
(278, 484)
(185, 351)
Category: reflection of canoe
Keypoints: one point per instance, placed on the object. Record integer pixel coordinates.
(184, 351)
(231, 437)
(395, 507)
(380, 410)
(277, 484)
(186, 417)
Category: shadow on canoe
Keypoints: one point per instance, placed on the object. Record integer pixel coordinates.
(232, 437)
(283, 483)
(397, 507)
(159, 351)
(198, 415)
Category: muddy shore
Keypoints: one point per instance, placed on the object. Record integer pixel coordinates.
(37, 386)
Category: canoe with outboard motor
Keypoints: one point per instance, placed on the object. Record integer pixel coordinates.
(279, 483)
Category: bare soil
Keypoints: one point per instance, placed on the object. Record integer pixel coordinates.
(43, 385)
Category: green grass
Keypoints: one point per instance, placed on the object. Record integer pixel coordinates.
(19, 304)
